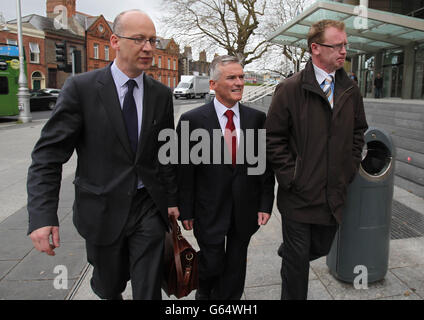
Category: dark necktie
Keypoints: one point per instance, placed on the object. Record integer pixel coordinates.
(130, 115)
(230, 136)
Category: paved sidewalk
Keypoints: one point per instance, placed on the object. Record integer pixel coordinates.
(28, 274)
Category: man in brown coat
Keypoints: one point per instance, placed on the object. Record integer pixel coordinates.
(315, 129)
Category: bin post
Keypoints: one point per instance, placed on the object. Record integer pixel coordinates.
(363, 239)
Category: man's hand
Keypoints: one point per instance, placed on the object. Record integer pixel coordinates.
(188, 224)
(263, 218)
(173, 211)
(41, 239)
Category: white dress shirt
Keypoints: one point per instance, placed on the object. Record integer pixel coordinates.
(220, 110)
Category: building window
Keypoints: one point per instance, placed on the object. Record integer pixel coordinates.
(160, 62)
(175, 64)
(174, 82)
(96, 51)
(169, 81)
(107, 53)
(34, 50)
(169, 63)
(153, 61)
(12, 42)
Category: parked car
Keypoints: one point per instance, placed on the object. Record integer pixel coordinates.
(52, 91)
(43, 99)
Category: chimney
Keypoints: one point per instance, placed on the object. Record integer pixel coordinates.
(68, 4)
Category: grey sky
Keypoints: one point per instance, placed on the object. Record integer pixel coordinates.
(109, 8)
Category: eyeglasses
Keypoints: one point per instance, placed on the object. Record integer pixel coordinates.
(142, 41)
(335, 46)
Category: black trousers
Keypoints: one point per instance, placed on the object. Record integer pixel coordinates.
(222, 268)
(302, 243)
(136, 255)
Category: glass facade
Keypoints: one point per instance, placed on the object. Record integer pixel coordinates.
(392, 73)
(418, 90)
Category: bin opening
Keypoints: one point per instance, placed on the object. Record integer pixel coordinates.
(377, 160)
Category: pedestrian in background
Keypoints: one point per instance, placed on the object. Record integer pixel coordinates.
(123, 195)
(378, 86)
(315, 128)
(222, 202)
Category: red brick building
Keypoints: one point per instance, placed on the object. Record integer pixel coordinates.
(88, 36)
(165, 63)
(34, 46)
(99, 53)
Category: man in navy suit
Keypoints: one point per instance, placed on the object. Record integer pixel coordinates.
(224, 202)
(123, 195)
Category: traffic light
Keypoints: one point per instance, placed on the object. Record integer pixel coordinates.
(61, 55)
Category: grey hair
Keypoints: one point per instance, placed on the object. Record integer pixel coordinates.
(215, 71)
(117, 23)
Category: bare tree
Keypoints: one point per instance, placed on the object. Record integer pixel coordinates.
(232, 25)
(283, 59)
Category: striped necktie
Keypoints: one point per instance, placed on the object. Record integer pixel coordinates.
(327, 87)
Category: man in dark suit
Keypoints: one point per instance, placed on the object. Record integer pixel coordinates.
(123, 195)
(224, 202)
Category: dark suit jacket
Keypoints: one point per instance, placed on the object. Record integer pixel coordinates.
(214, 194)
(88, 119)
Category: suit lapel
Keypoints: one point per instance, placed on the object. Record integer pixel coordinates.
(148, 112)
(110, 101)
(243, 126)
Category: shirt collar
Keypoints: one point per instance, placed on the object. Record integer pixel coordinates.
(221, 109)
(321, 75)
(121, 78)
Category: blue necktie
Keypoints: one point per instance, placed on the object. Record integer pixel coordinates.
(130, 115)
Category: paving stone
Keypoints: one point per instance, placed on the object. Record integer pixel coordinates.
(32, 290)
(263, 266)
(389, 287)
(406, 252)
(413, 277)
(263, 293)
(16, 221)
(6, 266)
(18, 244)
(39, 266)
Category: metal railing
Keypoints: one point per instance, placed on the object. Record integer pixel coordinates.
(260, 92)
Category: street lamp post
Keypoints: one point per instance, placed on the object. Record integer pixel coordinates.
(23, 93)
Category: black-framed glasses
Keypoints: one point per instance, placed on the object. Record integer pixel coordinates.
(335, 46)
(142, 40)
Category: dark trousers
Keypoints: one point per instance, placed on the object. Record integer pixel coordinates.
(222, 269)
(136, 255)
(302, 243)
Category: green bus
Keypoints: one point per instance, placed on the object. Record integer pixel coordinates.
(9, 76)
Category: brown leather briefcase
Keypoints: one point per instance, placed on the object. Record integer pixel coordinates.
(180, 263)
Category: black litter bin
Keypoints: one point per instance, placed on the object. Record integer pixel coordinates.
(363, 238)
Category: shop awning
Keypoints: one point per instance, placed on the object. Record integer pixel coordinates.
(381, 29)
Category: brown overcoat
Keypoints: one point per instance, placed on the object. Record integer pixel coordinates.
(314, 150)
